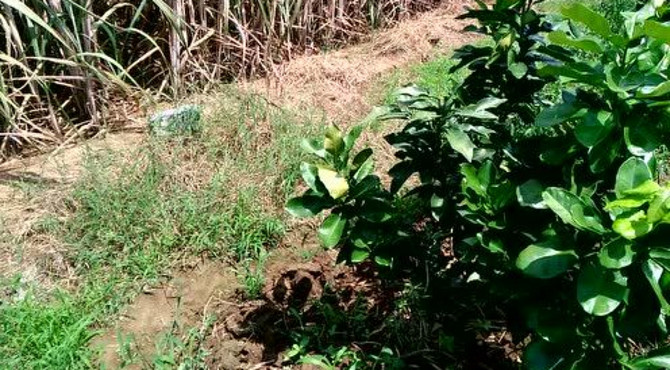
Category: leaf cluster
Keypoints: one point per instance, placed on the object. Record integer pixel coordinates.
(568, 227)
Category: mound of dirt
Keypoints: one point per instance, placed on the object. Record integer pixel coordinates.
(255, 334)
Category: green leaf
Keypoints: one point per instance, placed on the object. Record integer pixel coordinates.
(364, 169)
(659, 207)
(617, 254)
(309, 174)
(480, 109)
(661, 255)
(600, 291)
(370, 185)
(623, 205)
(603, 154)
(647, 190)
(593, 128)
(546, 260)
(25, 11)
(656, 359)
(632, 173)
(518, 69)
(592, 20)
(632, 226)
(657, 30)
(589, 45)
(359, 255)
(399, 173)
(351, 137)
(316, 360)
(654, 91)
(557, 150)
(572, 210)
(331, 230)
(654, 272)
(361, 158)
(642, 137)
(461, 143)
(383, 261)
(307, 205)
(313, 147)
(529, 194)
(333, 142)
(376, 210)
(556, 114)
(550, 324)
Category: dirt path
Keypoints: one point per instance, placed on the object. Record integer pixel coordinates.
(338, 83)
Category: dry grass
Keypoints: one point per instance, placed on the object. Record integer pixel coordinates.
(69, 68)
(340, 83)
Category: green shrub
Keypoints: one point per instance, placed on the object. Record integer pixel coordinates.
(563, 228)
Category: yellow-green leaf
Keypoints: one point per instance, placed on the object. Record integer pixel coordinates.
(337, 185)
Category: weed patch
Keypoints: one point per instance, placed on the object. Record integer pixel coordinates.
(218, 195)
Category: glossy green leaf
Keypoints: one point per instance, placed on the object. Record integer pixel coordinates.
(632, 173)
(647, 189)
(359, 255)
(529, 194)
(364, 170)
(546, 260)
(617, 254)
(659, 208)
(376, 210)
(461, 143)
(661, 255)
(657, 30)
(383, 261)
(654, 272)
(330, 232)
(307, 205)
(557, 114)
(572, 210)
(309, 174)
(632, 226)
(642, 138)
(589, 45)
(592, 20)
(593, 127)
(369, 186)
(361, 158)
(656, 359)
(600, 291)
(400, 173)
(654, 91)
(351, 137)
(480, 110)
(518, 70)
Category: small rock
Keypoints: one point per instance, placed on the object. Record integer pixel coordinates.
(184, 120)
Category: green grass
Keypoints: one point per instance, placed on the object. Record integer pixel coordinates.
(555, 6)
(219, 195)
(430, 75)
